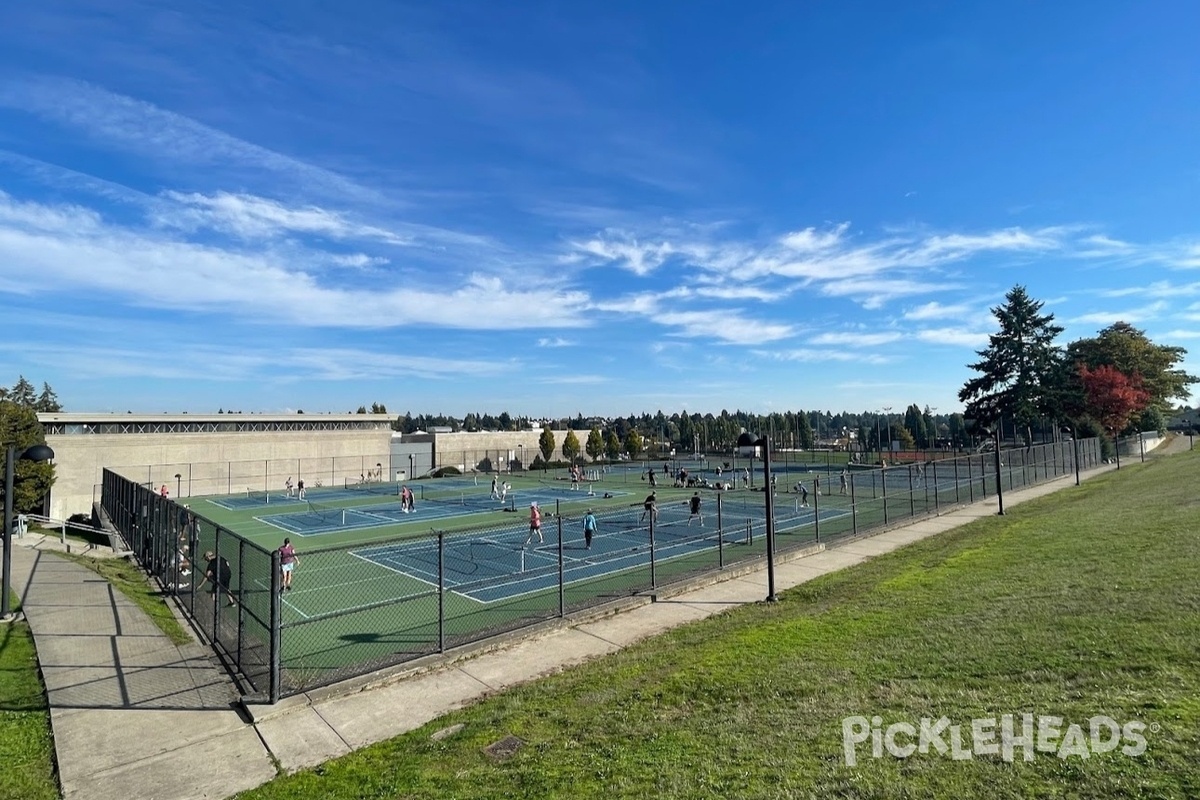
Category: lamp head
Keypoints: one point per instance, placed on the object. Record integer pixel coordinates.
(37, 452)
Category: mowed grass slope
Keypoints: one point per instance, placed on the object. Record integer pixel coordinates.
(27, 769)
(1083, 603)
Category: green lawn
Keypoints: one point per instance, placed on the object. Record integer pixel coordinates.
(1084, 603)
(26, 745)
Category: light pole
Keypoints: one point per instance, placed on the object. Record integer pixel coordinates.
(888, 411)
(37, 452)
(995, 434)
(178, 485)
(410, 467)
(1075, 448)
(747, 444)
(879, 435)
(1116, 446)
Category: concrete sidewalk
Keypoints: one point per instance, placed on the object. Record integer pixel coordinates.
(135, 716)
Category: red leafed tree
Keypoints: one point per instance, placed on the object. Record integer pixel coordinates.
(1111, 397)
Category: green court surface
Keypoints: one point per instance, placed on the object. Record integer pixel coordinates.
(376, 586)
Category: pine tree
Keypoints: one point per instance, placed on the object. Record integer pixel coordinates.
(1018, 368)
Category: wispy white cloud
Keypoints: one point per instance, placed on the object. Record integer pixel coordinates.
(237, 363)
(626, 252)
(251, 217)
(154, 133)
(556, 341)
(851, 339)
(67, 246)
(953, 336)
(935, 310)
(1131, 315)
(815, 354)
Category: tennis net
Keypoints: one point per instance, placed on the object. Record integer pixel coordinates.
(258, 496)
(459, 496)
(372, 487)
(328, 515)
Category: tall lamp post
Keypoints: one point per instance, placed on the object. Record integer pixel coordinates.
(995, 434)
(747, 445)
(410, 467)
(1075, 447)
(37, 452)
(1116, 446)
(178, 485)
(888, 411)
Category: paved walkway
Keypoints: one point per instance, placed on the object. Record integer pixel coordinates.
(135, 716)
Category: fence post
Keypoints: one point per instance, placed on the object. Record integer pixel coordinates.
(912, 500)
(817, 508)
(720, 534)
(241, 612)
(937, 502)
(970, 479)
(853, 508)
(275, 679)
(441, 545)
(653, 513)
(562, 601)
(883, 483)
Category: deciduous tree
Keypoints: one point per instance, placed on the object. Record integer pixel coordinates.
(1111, 397)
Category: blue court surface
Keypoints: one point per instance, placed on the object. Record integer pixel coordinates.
(501, 568)
(305, 518)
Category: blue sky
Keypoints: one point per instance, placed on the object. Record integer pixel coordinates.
(597, 208)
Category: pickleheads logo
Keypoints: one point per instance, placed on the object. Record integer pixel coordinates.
(1006, 737)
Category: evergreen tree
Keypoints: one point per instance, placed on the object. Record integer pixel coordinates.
(1019, 367)
(47, 402)
(22, 393)
(19, 427)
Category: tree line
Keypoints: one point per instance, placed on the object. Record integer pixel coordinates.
(19, 428)
(1117, 382)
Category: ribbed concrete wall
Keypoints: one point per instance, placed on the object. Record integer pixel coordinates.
(210, 463)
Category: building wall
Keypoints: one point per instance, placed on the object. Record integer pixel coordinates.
(466, 450)
(209, 463)
(226, 462)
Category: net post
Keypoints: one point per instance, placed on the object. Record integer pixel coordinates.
(441, 548)
(562, 600)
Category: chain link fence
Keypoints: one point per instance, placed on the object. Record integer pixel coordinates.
(354, 609)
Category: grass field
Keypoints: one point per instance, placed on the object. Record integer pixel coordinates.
(26, 746)
(1083, 603)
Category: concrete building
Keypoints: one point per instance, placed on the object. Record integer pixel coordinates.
(199, 454)
(206, 454)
